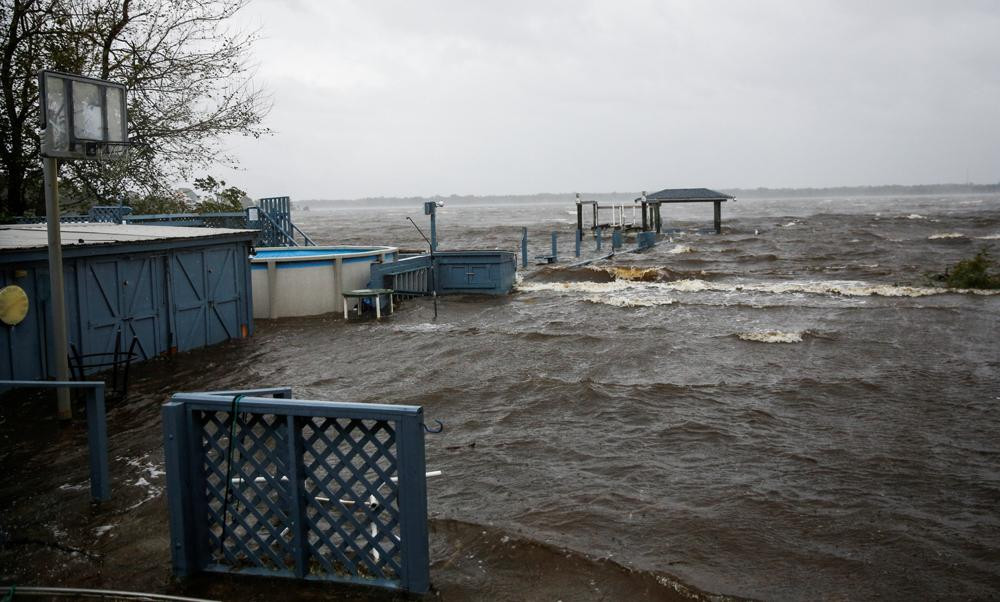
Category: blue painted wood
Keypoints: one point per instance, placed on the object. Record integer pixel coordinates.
(457, 272)
(297, 500)
(579, 240)
(303, 477)
(616, 239)
(160, 293)
(97, 433)
(475, 272)
(413, 502)
(97, 444)
(555, 246)
(183, 554)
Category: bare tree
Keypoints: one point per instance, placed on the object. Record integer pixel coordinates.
(186, 70)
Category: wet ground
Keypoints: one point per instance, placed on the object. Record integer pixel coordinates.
(787, 411)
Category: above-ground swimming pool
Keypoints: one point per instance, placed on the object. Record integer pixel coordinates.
(308, 281)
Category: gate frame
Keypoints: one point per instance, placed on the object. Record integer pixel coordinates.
(186, 497)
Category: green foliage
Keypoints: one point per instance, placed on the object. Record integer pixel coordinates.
(188, 77)
(219, 199)
(973, 273)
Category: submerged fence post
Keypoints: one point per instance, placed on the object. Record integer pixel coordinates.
(579, 239)
(555, 246)
(524, 247)
(597, 235)
(97, 444)
(415, 575)
(616, 239)
(182, 533)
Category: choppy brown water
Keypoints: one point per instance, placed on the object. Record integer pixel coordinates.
(784, 411)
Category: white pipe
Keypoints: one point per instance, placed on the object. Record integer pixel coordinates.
(240, 480)
(76, 592)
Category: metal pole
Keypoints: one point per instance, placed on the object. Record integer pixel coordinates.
(579, 213)
(57, 299)
(434, 231)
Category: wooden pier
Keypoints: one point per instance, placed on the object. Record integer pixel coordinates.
(646, 210)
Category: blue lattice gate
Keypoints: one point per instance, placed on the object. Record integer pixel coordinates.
(295, 488)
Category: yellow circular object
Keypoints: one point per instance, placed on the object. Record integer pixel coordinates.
(13, 305)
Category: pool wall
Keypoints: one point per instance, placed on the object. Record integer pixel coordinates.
(309, 281)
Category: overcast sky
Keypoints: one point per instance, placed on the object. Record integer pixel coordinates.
(401, 98)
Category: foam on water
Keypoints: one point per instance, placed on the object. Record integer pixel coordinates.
(575, 287)
(680, 249)
(845, 288)
(627, 301)
(770, 336)
(945, 236)
(425, 327)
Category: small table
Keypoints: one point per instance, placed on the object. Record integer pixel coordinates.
(363, 293)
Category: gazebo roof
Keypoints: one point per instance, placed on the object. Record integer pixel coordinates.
(682, 195)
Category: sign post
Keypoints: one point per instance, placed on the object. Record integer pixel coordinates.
(81, 118)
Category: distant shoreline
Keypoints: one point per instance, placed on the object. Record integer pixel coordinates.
(739, 193)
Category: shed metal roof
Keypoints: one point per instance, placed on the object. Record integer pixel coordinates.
(688, 194)
(35, 236)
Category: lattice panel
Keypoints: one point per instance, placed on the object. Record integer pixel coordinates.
(347, 484)
(352, 507)
(253, 529)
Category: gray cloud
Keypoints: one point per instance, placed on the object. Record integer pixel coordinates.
(401, 98)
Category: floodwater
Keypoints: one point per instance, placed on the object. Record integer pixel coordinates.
(787, 410)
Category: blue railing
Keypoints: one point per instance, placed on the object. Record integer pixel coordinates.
(97, 428)
(295, 488)
(224, 219)
(276, 227)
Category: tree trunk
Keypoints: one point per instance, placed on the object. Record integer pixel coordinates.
(15, 189)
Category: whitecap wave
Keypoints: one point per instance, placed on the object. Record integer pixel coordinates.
(423, 328)
(628, 301)
(989, 237)
(945, 236)
(679, 249)
(770, 336)
(915, 216)
(846, 288)
(575, 287)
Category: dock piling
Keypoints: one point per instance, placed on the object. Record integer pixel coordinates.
(579, 239)
(555, 243)
(524, 247)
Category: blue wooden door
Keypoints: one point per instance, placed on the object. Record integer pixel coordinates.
(207, 293)
(124, 295)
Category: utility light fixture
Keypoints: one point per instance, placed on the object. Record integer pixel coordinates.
(81, 117)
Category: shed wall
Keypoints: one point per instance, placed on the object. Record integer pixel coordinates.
(173, 299)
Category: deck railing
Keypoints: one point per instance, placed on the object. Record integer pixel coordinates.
(97, 429)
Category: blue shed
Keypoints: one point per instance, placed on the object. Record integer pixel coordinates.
(171, 288)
